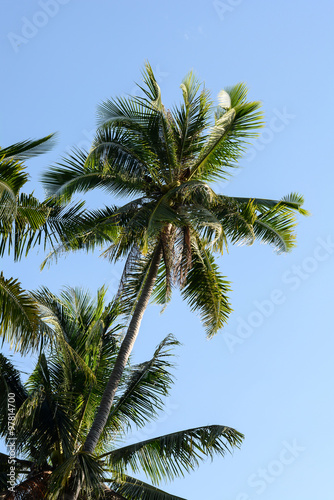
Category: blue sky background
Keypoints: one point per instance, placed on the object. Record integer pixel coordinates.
(269, 373)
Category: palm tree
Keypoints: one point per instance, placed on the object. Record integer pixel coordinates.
(25, 222)
(173, 221)
(55, 408)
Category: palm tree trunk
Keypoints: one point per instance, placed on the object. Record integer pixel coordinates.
(121, 361)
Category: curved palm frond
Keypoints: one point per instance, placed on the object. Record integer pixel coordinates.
(147, 382)
(82, 171)
(19, 316)
(25, 150)
(12, 174)
(132, 488)
(275, 226)
(293, 201)
(170, 456)
(226, 142)
(206, 290)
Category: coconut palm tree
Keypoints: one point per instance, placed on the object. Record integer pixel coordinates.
(55, 407)
(25, 222)
(164, 162)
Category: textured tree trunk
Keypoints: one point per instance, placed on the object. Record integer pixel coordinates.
(121, 361)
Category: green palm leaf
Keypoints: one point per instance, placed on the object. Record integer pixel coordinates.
(135, 489)
(170, 456)
(226, 142)
(25, 150)
(147, 383)
(275, 227)
(294, 201)
(19, 316)
(10, 383)
(206, 290)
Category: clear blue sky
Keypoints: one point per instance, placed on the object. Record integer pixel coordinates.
(269, 374)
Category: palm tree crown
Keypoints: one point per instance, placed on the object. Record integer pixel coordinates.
(164, 161)
(56, 406)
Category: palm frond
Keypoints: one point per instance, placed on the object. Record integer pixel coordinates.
(83, 469)
(191, 118)
(39, 223)
(12, 175)
(228, 137)
(19, 316)
(294, 201)
(10, 383)
(237, 219)
(25, 150)
(173, 455)
(276, 227)
(134, 489)
(44, 419)
(57, 324)
(147, 383)
(70, 175)
(206, 290)
(133, 289)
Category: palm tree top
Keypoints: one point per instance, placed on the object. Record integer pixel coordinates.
(154, 149)
(165, 162)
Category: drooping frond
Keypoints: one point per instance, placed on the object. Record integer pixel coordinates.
(37, 223)
(237, 219)
(19, 316)
(276, 227)
(270, 221)
(62, 320)
(173, 455)
(206, 290)
(43, 419)
(90, 230)
(132, 488)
